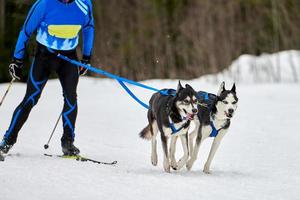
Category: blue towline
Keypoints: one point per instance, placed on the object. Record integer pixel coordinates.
(121, 80)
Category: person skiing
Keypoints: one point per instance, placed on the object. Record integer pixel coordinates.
(57, 24)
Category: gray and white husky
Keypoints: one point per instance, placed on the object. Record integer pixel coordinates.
(214, 121)
(171, 115)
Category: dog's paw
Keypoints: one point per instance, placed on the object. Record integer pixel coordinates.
(154, 163)
(167, 167)
(174, 164)
(189, 164)
(181, 163)
(154, 160)
(175, 167)
(206, 169)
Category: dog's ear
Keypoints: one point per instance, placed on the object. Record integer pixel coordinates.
(179, 87)
(221, 89)
(191, 88)
(233, 89)
(188, 86)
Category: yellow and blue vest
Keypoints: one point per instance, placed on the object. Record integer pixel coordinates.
(58, 25)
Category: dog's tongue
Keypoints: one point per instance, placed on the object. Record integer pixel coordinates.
(190, 116)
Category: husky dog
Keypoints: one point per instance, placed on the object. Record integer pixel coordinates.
(171, 115)
(214, 121)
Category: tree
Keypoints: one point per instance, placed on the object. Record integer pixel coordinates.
(2, 22)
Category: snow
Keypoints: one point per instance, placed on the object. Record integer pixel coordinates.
(267, 68)
(258, 159)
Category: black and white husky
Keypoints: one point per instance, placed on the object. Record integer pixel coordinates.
(213, 121)
(171, 115)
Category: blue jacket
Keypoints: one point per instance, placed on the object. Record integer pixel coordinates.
(58, 25)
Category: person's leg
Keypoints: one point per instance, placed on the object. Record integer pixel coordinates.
(68, 76)
(37, 79)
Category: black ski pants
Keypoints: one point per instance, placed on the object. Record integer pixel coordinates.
(43, 64)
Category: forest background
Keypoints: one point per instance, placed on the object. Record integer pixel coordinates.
(170, 38)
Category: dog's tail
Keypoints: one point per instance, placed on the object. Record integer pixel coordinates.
(146, 133)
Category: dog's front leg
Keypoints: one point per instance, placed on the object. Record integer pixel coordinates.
(164, 142)
(185, 157)
(192, 136)
(191, 139)
(214, 147)
(172, 152)
(194, 153)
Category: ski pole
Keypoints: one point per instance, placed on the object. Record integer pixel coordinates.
(9, 86)
(46, 146)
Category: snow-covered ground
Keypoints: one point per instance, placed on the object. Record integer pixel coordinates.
(258, 159)
(279, 67)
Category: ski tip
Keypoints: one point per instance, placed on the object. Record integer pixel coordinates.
(114, 162)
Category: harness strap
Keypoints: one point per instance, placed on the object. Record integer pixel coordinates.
(206, 96)
(214, 131)
(172, 126)
(203, 94)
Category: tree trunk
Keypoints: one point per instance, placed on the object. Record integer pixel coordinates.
(2, 22)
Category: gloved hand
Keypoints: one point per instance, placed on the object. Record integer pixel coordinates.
(15, 69)
(85, 60)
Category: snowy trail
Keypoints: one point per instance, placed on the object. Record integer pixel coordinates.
(258, 159)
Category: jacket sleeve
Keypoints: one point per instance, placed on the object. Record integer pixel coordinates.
(88, 33)
(31, 23)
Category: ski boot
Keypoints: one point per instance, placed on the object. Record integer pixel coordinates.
(4, 148)
(1, 156)
(69, 149)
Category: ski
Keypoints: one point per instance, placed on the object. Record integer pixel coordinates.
(81, 158)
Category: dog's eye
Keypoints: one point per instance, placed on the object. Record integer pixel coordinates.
(225, 102)
(234, 102)
(186, 101)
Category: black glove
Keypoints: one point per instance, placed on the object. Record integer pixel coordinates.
(85, 60)
(15, 69)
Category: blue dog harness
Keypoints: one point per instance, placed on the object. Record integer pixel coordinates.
(172, 92)
(207, 100)
(214, 131)
(173, 128)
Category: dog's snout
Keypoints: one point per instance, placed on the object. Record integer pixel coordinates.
(230, 111)
(194, 110)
